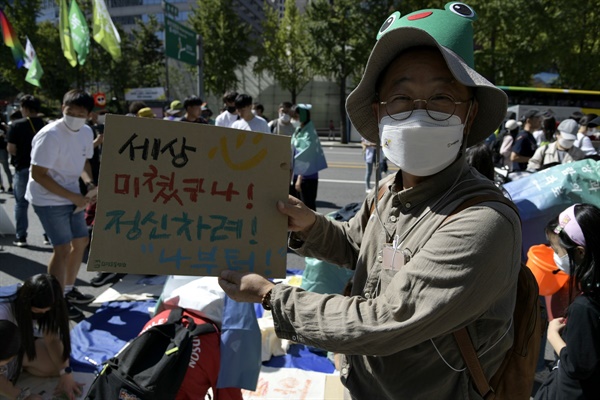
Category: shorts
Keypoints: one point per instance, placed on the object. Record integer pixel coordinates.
(60, 224)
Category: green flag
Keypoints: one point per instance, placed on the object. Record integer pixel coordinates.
(65, 34)
(35, 73)
(104, 30)
(79, 32)
(33, 64)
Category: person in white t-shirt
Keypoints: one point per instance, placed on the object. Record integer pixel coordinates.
(229, 116)
(583, 140)
(248, 121)
(60, 155)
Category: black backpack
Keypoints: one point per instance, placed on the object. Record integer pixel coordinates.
(153, 365)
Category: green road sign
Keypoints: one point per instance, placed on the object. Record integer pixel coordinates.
(170, 9)
(180, 42)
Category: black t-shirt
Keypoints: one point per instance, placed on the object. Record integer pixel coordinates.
(524, 145)
(579, 369)
(21, 134)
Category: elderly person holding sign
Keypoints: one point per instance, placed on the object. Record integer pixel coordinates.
(420, 276)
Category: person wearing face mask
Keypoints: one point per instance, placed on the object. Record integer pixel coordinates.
(419, 275)
(283, 124)
(309, 158)
(575, 337)
(39, 314)
(229, 115)
(585, 130)
(59, 157)
(560, 152)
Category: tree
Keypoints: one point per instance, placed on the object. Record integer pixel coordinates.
(286, 53)
(227, 43)
(148, 50)
(343, 33)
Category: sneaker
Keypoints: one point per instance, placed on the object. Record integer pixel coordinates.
(76, 297)
(20, 242)
(10, 189)
(105, 277)
(1, 189)
(74, 312)
(46, 240)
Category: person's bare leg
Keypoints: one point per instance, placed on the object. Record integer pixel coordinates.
(59, 262)
(75, 257)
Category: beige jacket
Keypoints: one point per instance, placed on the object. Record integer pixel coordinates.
(549, 154)
(397, 325)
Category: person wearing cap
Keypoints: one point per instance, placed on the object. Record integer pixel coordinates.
(229, 115)
(585, 130)
(560, 152)
(193, 109)
(175, 111)
(525, 144)
(512, 129)
(207, 115)
(248, 121)
(419, 276)
(146, 112)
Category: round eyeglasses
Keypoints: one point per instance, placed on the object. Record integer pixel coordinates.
(439, 107)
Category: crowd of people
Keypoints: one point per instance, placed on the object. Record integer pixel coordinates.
(539, 141)
(419, 275)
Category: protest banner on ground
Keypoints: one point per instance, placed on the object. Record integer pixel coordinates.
(178, 198)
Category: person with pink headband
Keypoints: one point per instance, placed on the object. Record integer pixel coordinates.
(575, 238)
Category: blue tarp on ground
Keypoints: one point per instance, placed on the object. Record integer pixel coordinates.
(543, 195)
(101, 336)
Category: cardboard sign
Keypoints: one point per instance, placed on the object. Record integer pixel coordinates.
(179, 198)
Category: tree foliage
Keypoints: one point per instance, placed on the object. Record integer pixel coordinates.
(343, 32)
(286, 53)
(227, 43)
(149, 60)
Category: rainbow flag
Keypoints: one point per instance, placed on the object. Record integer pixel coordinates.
(12, 40)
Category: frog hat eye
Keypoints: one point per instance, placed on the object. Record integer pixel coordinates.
(388, 22)
(460, 9)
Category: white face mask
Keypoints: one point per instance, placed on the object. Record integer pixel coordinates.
(563, 263)
(420, 145)
(296, 123)
(73, 123)
(101, 119)
(565, 144)
(591, 131)
(285, 118)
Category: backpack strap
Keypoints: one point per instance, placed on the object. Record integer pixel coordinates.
(462, 337)
(381, 192)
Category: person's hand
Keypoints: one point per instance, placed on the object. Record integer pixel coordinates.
(298, 184)
(67, 385)
(244, 287)
(300, 217)
(79, 200)
(556, 326)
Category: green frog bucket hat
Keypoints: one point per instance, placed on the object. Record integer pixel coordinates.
(451, 31)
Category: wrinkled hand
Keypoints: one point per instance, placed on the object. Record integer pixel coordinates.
(244, 287)
(556, 325)
(300, 217)
(66, 384)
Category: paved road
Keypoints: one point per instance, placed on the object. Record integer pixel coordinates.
(341, 184)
